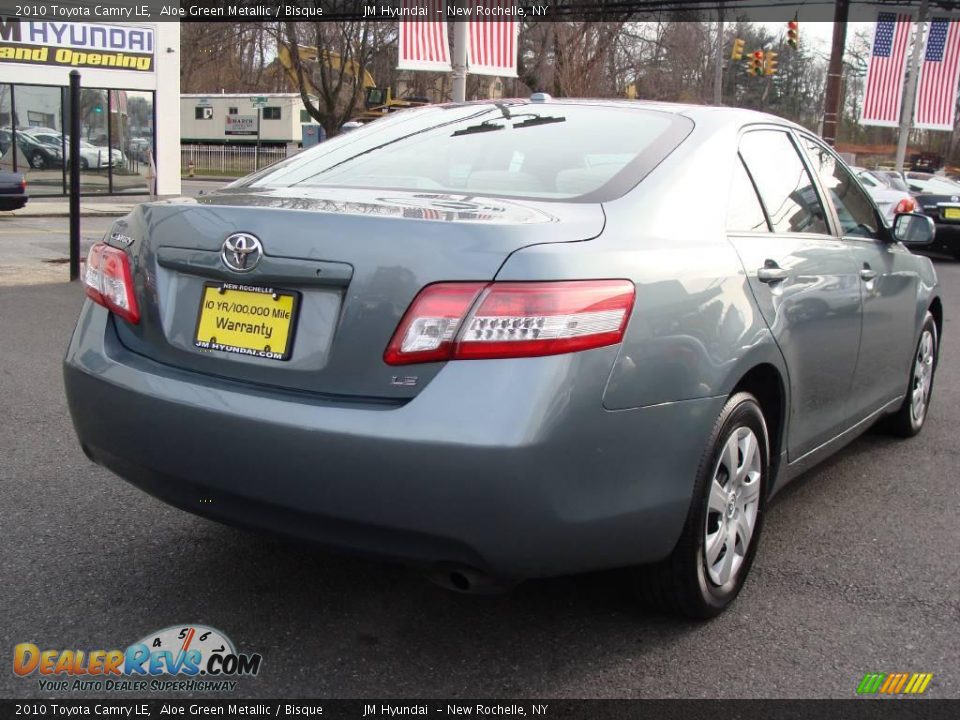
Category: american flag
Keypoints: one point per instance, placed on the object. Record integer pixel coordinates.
(937, 91)
(493, 42)
(883, 96)
(423, 38)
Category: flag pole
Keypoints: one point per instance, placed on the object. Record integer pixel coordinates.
(459, 64)
(910, 96)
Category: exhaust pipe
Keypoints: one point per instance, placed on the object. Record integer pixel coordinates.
(468, 580)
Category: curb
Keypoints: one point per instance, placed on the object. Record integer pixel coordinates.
(214, 178)
(62, 213)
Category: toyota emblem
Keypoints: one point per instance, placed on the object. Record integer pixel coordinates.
(241, 252)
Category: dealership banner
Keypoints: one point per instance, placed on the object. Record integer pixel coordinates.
(76, 45)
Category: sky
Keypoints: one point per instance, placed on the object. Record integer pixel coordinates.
(818, 35)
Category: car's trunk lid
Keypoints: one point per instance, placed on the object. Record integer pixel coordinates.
(355, 259)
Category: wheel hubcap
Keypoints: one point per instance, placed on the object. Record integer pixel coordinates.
(732, 506)
(922, 377)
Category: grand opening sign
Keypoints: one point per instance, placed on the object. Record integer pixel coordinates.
(76, 44)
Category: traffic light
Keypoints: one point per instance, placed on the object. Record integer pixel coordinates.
(770, 63)
(755, 63)
(793, 34)
(737, 52)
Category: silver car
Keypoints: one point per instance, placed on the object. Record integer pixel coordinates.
(890, 200)
(516, 339)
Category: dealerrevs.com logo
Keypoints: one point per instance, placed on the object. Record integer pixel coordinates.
(186, 658)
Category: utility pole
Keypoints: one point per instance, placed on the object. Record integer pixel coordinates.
(910, 94)
(459, 64)
(718, 71)
(831, 109)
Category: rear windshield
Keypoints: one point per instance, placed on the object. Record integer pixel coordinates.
(548, 151)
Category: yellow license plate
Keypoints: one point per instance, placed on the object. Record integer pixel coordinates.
(951, 213)
(246, 320)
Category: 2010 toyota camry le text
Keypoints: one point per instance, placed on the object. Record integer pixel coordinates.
(508, 340)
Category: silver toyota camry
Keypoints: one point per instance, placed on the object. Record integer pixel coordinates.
(515, 339)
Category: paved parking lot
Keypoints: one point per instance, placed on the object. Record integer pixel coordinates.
(858, 572)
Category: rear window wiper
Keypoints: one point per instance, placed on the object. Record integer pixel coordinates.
(537, 120)
(472, 129)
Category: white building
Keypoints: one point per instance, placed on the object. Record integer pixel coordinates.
(130, 79)
(232, 118)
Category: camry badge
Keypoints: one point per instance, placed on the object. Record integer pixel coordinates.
(241, 252)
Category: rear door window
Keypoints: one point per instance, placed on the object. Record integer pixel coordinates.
(744, 214)
(785, 186)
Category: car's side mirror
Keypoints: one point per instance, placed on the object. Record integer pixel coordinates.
(913, 229)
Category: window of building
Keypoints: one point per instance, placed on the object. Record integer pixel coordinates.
(305, 117)
(271, 113)
(116, 138)
(40, 119)
(202, 112)
(232, 111)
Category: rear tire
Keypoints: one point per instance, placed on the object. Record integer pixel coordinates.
(707, 568)
(909, 418)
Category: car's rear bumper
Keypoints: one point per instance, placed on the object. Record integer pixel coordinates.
(947, 238)
(530, 477)
(13, 201)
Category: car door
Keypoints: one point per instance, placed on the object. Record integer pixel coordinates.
(804, 279)
(889, 283)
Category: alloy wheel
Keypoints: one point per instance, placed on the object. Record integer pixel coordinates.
(922, 377)
(732, 506)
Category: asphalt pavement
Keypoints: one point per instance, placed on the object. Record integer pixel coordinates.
(858, 571)
(35, 242)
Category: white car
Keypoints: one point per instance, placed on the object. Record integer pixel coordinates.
(890, 200)
(91, 156)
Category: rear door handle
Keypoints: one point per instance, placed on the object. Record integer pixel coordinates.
(866, 274)
(771, 273)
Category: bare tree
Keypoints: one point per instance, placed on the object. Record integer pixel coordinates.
(228, 57)
(331, 83)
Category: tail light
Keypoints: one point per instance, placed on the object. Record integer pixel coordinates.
(462, 321)
(109, 282)
(23, 185)
(907, 205)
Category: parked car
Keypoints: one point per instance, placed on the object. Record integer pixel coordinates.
(894, 179)
(39, 156)
(139, 147)
(13, 191)
(511, 340)
(91, 156)
(939, 198)
(889, 199)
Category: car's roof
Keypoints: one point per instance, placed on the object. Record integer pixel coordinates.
(705, 115)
